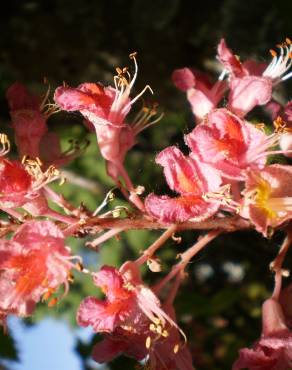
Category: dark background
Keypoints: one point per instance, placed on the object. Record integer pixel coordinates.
(77, 41)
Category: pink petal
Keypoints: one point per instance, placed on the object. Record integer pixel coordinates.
(19, 98)
(29, 127)
(183, 79)
(107, 350)
(248, 92)
(182, 173)
(229, 60)
(71, 99)
(201, 103)
(253, 67)
(172, 210)
(110, 281)
(31, 232)
(254, 360)
(95, 313)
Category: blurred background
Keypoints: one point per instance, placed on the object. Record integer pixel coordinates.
(84, 41)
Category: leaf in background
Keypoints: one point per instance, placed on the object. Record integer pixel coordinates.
(8, 349)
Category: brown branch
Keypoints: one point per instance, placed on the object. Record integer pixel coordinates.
(227, 224)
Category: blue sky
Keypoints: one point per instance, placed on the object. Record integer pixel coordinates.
(49, 345)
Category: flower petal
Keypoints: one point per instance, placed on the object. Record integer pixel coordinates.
(229, 60)
(183, 79)
(180, 209)
(107, 349)
(248, 92)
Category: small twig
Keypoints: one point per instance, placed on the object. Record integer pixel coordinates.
(186, 257)
(148, 253)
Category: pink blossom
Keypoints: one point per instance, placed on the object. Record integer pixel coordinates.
(15, 183)
(21, 183)
(251, 83)
(33, 263)
(126, 300)
(120, 302)
(28, 122)
(105, 109)
(29, 116)
(192, 180)
(268, 197)
(201, 94)
(229, 144)
(273, 351)
(161, 350)
(133, 320)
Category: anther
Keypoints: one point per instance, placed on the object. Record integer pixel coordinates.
(133, 55)
(148, 342)
(273, 53)
(79, 266)
(176, 348)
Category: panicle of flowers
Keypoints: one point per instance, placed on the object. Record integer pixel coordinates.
(29, 115)
(223, 183)
(105, 109)
(33, 265)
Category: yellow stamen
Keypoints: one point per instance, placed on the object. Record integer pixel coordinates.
(148, 342)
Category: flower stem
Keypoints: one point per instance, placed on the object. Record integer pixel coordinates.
(148, 253)
(186, 257)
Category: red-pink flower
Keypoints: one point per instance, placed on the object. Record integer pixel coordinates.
(251, 83)
(21, 185)
(133, 320)
(162, 350)
(29, 116)
(273, 351)
(201, 94)
(28, 121)
(15, 184)
(268, 197)
(120, 303)
(105, 109)
(192, 180)
(229, 144)
(33, 263)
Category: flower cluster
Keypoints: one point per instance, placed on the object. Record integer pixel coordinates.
(223, 182)
(227, 152)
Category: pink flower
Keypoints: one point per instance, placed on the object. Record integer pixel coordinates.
(133, 320)
(127, 299)
(273, 351)
(162, 350)
(202, 96)
(15, 184)
(192, 180)
(229, 144)
(268, 197)
(20, 183)
(35, 262)
(251, 83)
(29, 120)
(120, 302)
(105, 109)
